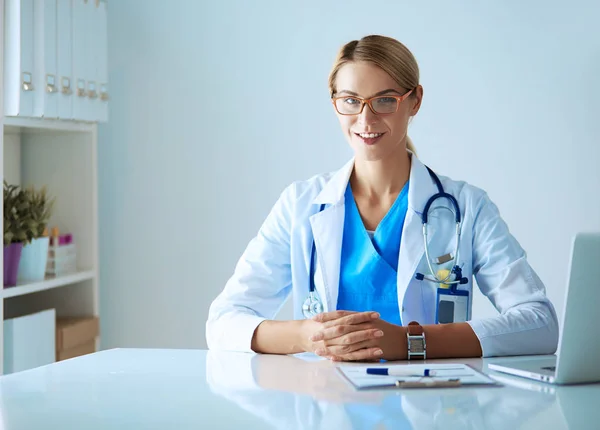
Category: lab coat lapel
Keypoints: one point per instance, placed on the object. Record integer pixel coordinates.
(327, 230)
(412, 248)
(327, 227)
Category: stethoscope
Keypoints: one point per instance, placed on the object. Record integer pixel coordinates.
(313, 306)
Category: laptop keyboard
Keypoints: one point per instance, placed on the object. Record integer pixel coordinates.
(551, 368)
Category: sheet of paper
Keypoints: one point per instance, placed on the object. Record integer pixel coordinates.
(357, 375)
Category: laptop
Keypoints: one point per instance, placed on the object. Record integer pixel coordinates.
(578, 356)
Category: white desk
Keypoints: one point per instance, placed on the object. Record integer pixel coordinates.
(193, 389)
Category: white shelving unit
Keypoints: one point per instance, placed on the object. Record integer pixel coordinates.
(48, 284)
(61, 155)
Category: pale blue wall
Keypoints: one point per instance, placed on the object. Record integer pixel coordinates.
(217, 106)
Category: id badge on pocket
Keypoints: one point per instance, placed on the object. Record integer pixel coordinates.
(451, 306)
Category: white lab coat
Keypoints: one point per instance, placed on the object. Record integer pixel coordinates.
(276, 263)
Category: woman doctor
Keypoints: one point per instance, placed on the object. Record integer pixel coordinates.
(354, 240)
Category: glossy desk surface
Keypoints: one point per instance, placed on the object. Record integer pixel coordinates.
(196, 389)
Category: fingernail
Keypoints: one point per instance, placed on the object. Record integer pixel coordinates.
(378, 352)
(315, 337)
(375, 315)
(378, 333)
(320, 352)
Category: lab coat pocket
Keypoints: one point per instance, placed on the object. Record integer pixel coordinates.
(441, 237)
(426, 293)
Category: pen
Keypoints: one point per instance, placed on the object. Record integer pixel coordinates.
(398, 372)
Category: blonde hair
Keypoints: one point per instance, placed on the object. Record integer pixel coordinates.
(388, 54)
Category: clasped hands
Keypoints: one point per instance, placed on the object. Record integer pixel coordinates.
(354, 336)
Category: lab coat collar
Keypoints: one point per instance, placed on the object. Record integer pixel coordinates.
(421, 185)
(333, 191)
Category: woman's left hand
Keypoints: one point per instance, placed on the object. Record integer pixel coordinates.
(343, 348)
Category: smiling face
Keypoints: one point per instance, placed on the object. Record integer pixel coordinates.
(374, 136)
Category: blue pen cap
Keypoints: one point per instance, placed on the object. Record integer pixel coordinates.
(377, 371)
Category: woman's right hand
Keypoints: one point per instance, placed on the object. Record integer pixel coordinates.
(354, 331)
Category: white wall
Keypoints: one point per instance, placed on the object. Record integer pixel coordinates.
(217, 106)
(12, 158)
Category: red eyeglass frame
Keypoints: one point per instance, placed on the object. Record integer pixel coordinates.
(368, 101)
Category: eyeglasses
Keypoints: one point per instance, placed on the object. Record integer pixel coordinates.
(381, 105)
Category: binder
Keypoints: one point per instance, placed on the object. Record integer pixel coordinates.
(45, 102)
(19, 86)
(80, 59)
(91, 61)
(55, 59)
(101, 37)
(64, 59)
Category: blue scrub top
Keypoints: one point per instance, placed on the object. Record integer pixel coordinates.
(369, 265)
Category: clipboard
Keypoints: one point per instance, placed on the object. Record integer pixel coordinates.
(451, 383)
(448, 375)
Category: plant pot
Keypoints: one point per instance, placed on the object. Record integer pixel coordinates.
(12, 256)
(34, 257)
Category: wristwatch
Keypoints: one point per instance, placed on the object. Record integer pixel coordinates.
(416, 341)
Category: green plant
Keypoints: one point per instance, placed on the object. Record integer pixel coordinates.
(16, 214)
(40, 209)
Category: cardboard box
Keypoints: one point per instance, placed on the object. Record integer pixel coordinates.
(86, 348)
(76, 336)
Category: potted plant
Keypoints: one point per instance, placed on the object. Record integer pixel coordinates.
(34, 255)
(15, 233)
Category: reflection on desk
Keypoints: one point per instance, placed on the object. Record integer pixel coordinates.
(304, 392)
(195, 389)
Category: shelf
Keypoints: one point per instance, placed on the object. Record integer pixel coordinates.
(47, 284)
(13, 124)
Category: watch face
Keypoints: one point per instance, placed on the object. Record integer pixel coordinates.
(416, 345)
(416, 341)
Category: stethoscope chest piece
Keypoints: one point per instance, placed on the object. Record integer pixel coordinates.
(312, 306)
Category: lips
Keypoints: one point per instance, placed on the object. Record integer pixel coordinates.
(369, 138)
